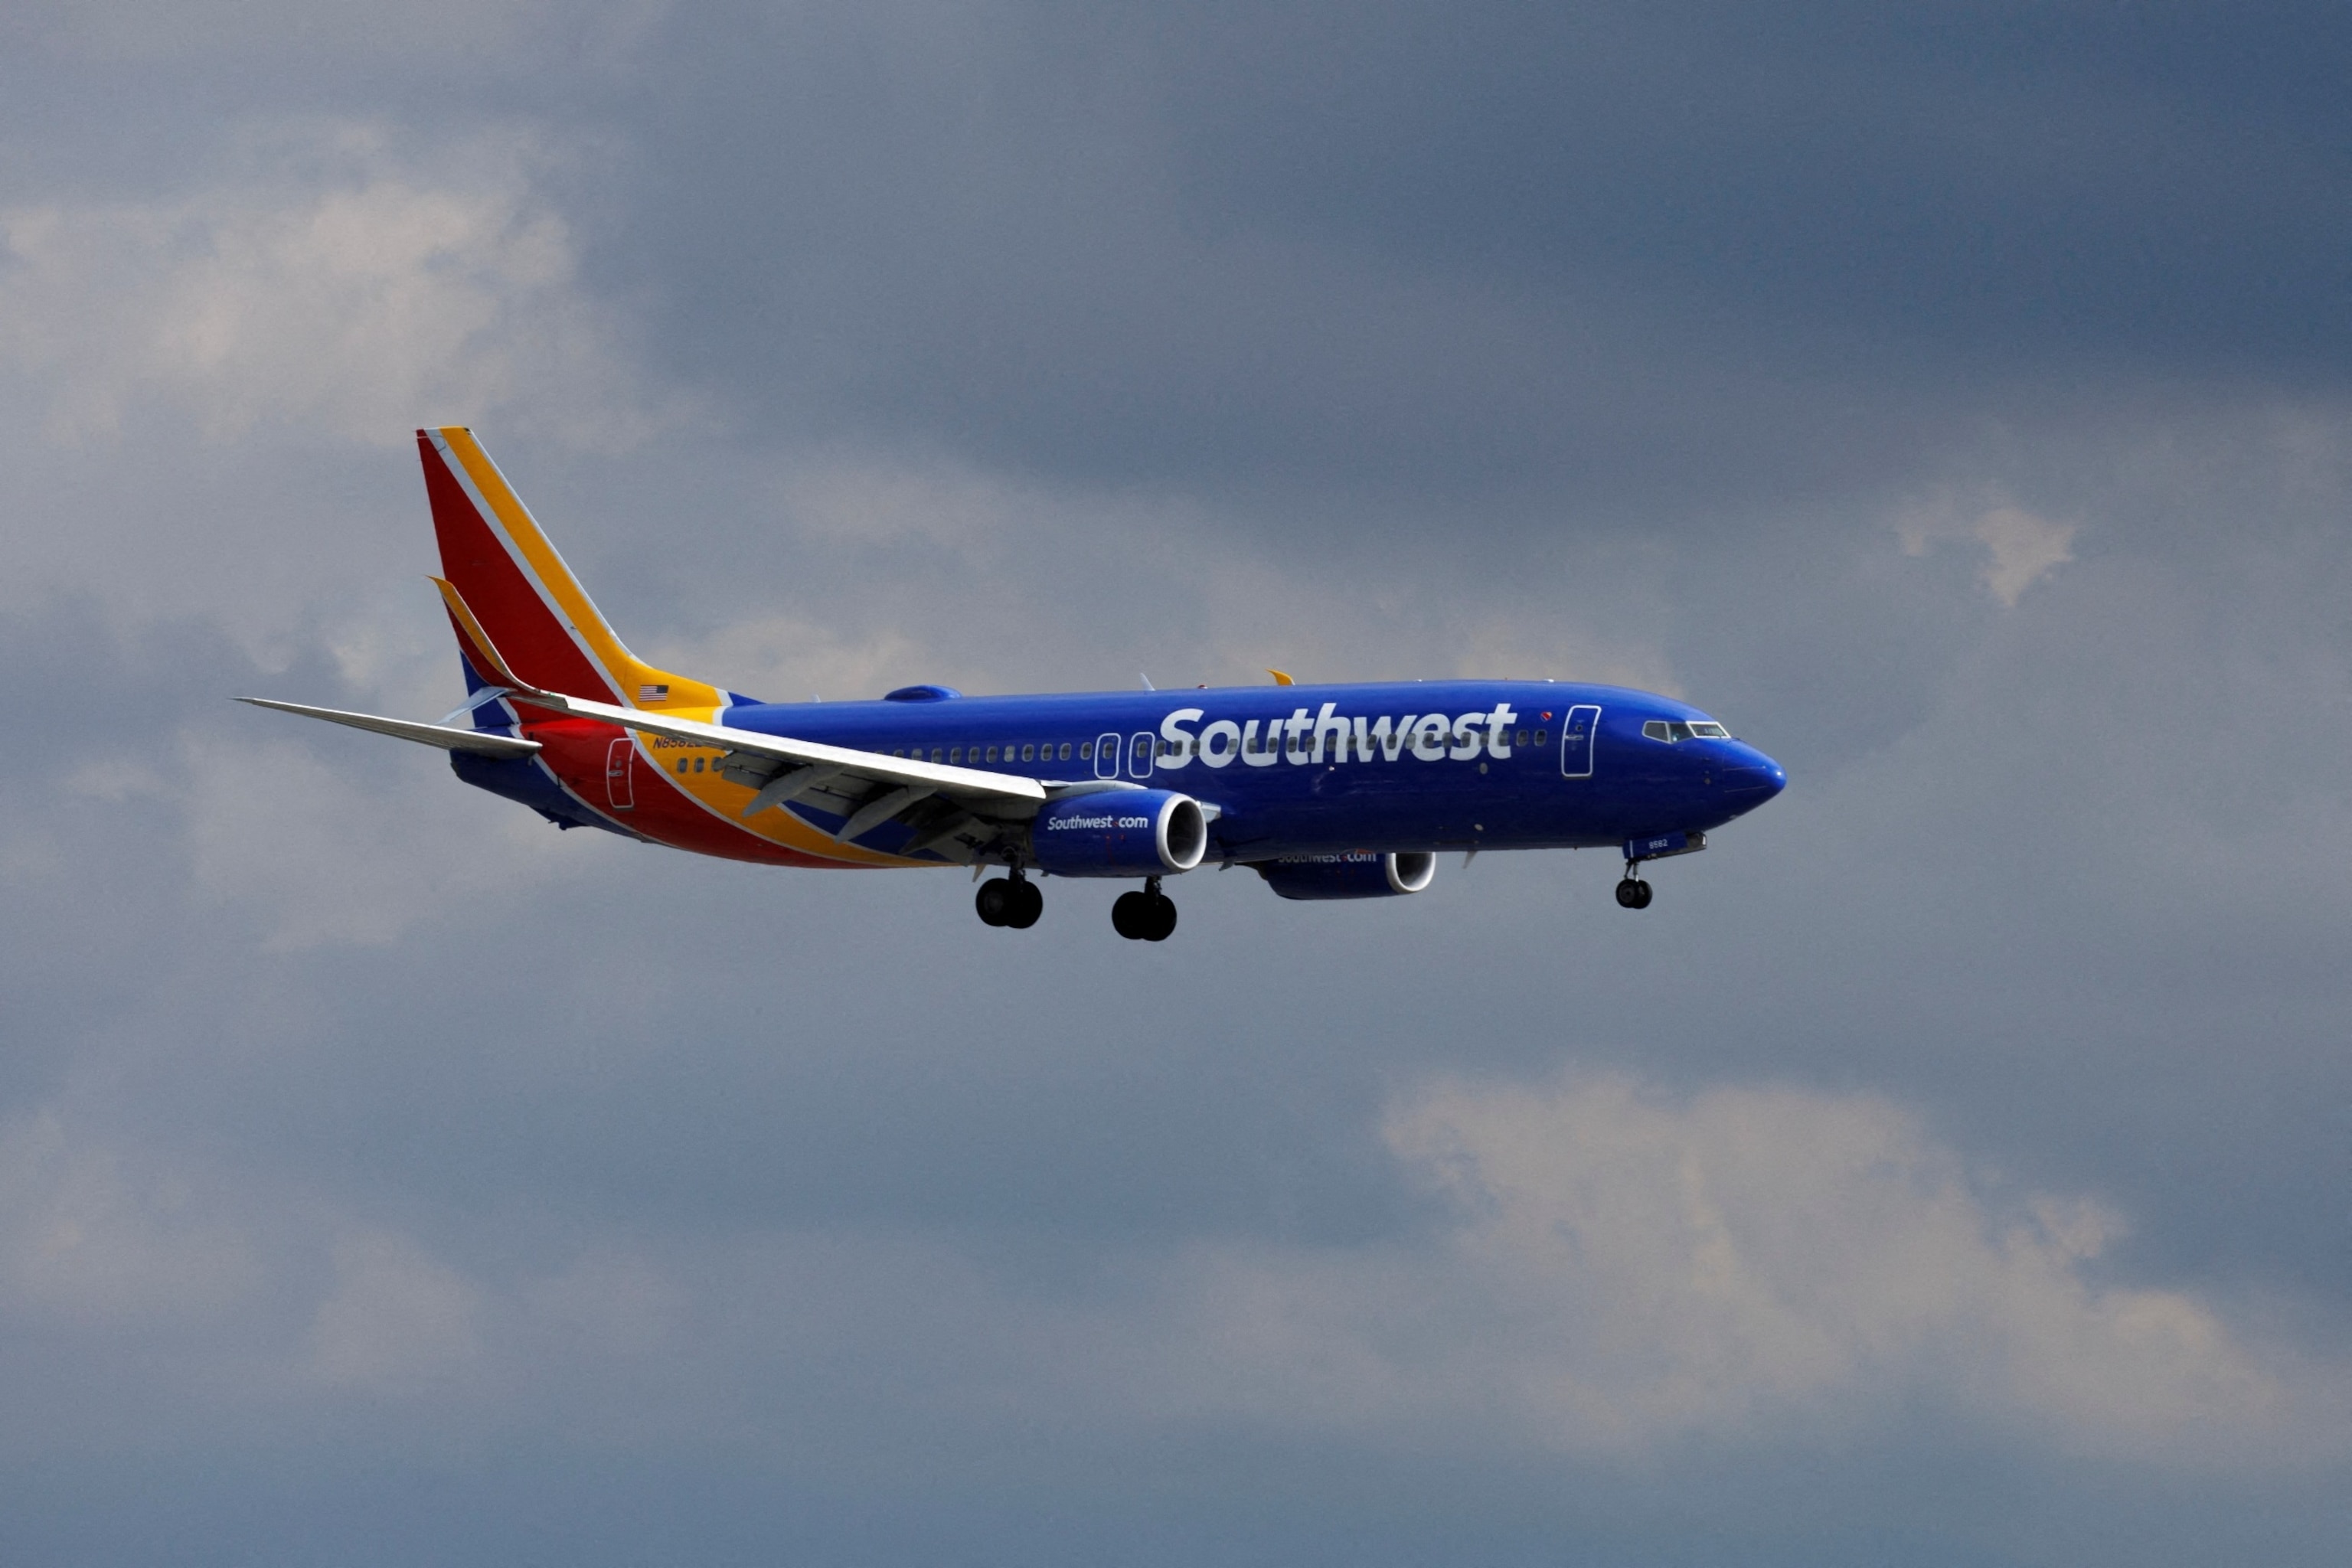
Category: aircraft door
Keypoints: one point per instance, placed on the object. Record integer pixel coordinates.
(1576, 742)
(1138, 754)
(1106, 756)
(620, 789)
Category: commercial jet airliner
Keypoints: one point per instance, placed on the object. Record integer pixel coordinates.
(1327, 792)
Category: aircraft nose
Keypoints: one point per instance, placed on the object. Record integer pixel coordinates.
(1753, 780)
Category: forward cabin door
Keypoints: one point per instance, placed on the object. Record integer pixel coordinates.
(1576, 742)
(620, 790)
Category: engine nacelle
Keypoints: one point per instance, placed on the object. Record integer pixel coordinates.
(1119, 833)
(1358, 874)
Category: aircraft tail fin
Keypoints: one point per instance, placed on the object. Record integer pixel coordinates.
(521, 617)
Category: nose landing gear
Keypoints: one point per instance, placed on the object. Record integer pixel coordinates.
(1012, 899)
(1633, 893)
(1147, 916)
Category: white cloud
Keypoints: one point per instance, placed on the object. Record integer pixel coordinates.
(399, 1322)
(90, 1232)
(1623, 1269)
(2020, 547)
(336, 285)
(2024, 549)
(1618, 1271)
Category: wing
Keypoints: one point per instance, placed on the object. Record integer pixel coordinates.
(447, 737)
(931, 778)
(958, 814)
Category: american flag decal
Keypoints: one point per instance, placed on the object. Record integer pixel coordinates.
(653, 693)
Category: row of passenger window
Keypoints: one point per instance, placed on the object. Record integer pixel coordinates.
(1272, 740)
(1027, 752)
(1049, 751)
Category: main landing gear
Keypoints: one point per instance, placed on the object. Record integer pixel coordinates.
(1147, 916)
(1010, 901)
(1632, 893)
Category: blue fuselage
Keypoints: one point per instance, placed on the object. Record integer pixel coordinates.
(1291, 770)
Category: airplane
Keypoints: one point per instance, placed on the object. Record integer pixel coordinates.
(1327, 791)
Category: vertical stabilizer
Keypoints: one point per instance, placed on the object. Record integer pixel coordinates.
(526, 609)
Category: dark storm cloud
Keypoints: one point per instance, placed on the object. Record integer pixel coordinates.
(1658, 257)
(1998, 186)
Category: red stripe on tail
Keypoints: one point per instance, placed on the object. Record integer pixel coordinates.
(528, 632)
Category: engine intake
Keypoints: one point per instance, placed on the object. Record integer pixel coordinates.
(1119, 833)
(1356, 874)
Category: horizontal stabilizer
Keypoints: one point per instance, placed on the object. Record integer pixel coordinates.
(447, 737)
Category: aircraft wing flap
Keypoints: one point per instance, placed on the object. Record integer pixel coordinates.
(449, 737)
(965, 783)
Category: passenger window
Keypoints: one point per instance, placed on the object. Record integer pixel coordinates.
(681, 764)
(1656, 730)
(992, 753)
(955, 753)
(1028, 753)
(1522, 739)
(1066, 750)
(937, 754)
(1085, 748)
(1542, 736)
(698, 764)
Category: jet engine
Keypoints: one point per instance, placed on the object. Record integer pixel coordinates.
(1119, 833)
(1358, 874)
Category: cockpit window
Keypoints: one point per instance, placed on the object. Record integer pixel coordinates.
(1676, 730)
(1710, 732)
(1655, 730)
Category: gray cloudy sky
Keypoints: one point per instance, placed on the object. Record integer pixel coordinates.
(1952, 1167)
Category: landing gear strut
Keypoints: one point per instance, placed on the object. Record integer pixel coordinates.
(1632, 893)
(1147, 916)
(1012, 899)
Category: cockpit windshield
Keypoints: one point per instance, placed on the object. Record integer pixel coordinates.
(1670, 730)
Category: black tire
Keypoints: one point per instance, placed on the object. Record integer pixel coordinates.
(1025, 902)
(1163, 919)
(1633, 894)
(991, 901)
(1130, 915)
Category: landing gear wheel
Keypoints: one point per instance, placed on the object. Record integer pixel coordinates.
(1130, 915)
(1012, 901)
(1146, 915)
(1163, 918)
(1633, 893)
